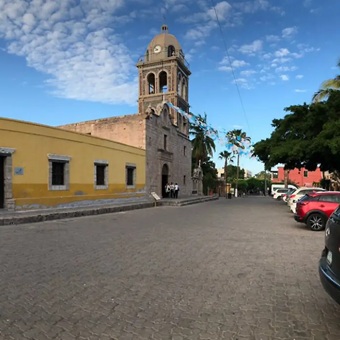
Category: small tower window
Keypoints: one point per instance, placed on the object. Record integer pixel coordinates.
(163, 82)
(179, 84)
(171, 51)
(184, 89)
(151, 83)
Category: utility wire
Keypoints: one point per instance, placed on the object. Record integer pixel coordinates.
(231, 66)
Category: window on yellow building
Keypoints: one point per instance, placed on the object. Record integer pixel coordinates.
(101, 174)
(130, 175)
(59, 172)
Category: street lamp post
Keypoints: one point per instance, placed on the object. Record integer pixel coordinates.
(237, 173)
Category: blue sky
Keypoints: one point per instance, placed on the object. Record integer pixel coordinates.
(74, 60)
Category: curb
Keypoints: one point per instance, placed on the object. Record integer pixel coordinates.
(42, 216)
(49, 216)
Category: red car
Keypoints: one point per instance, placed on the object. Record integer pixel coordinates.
(315, 208)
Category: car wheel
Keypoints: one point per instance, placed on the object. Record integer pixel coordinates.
(279, 198)
(316, 222)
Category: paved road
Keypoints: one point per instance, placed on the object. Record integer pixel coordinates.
(228, 269)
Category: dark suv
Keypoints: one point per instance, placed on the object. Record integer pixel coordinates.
(329, 265)
(315, 208)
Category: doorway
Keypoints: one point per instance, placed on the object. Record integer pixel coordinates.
(2, 182)
(165, 178)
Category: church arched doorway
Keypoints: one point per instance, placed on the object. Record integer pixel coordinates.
(165, 178)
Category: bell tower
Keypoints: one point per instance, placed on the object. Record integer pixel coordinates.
(163, 75)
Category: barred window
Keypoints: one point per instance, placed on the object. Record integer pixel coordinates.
(101, 174)
(130, 175)
(59, 172)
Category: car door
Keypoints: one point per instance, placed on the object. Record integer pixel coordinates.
(327, 204)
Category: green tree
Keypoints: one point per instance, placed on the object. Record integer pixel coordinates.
(232, 173)
(327, 87)
(309, 136)
(227, 156)
(209, 176)
(263, 175)
(203, 145)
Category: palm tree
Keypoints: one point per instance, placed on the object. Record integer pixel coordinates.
(238, 139)
(202, 144)
(327, 87)
(227, 156)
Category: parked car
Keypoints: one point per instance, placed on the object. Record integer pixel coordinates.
(287, 194)
(315, 208)
(276, 186)
(297, 194)
(329, 265)
(279, 192)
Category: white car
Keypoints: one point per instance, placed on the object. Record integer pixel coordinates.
(279, 192)
(286, 195)
(297, 194)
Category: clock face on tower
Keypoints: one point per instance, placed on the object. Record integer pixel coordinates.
(157, 49)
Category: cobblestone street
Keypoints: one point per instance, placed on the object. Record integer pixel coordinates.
(226, 269)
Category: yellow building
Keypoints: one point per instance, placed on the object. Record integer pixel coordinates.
(42, 166)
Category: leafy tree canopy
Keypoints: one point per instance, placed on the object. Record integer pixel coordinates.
(309, 136)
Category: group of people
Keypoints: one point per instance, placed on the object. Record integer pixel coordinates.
(171, 190)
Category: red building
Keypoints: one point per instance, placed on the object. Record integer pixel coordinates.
(300, 177)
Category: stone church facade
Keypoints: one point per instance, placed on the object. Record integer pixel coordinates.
(161, 126)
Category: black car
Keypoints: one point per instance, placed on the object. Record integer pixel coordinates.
(329, 265)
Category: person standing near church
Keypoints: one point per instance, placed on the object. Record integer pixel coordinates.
(172, 190)
(167, 190)
(176, 187)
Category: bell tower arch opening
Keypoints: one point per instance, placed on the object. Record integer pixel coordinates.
(163, 82)
(151, 83)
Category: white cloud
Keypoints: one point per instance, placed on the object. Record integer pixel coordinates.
(289, 32)
(222, 9)
(299, 76)
(300, 90)
(229, 65)
(243, 83)
(284, 77)
(282, 52)
(273, 38)
(251, 49)
(257, 5)
(247, 73)
(285, 69)
(69, 42)
(205, 21)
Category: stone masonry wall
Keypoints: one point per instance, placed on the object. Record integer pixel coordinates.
(179, 163)
(129, 129)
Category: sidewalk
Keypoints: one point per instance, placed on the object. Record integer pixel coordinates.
(94, 208)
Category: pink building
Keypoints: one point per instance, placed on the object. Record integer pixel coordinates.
(300, 177)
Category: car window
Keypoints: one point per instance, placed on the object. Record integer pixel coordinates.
(328, 198)
(337, 211)
(306, 198)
